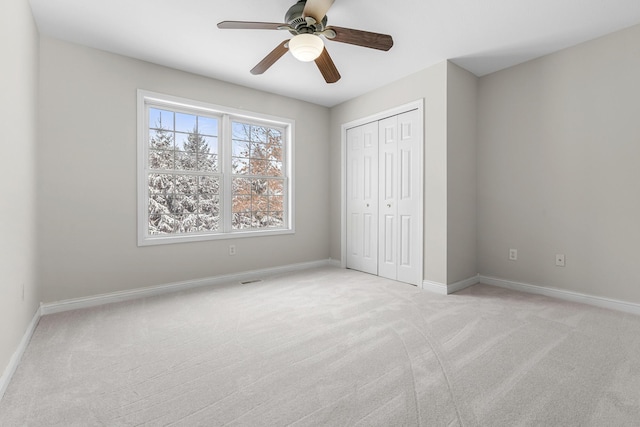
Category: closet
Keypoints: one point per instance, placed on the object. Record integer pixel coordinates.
(384, 197)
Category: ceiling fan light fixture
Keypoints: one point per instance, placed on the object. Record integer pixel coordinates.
(306, 47)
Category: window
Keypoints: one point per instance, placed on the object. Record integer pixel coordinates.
(206, 172)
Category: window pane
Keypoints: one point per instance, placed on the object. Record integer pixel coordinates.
(274, 152)
(185, 122)
(240, 166)
(259, 186)
(160, 139)
(253, 206)
(160, 183)
(175, 203)
(241, 221)
(160, 119)
(275, 168)
(208, 222)
(242, 186)
(241, 131)
(259, 151)
(261, 145)
(241, 204)
(209, 204)
(275, 136)
(259, 134)
(161, 159)
(207, 126)
(208, 145)
(182, 141)
(208, 162)
(260, 203)
(161, 224)
(276, 219)
(186, 184)
(208, 154)
(276, 187)
(276, 203)
(189, 203)
(260, 219)
(186, 161)
(209, 185)
(158, 204)
(187, 223)
(259, 167)
(241, 148)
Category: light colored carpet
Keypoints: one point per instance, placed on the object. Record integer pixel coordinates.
(330, 347)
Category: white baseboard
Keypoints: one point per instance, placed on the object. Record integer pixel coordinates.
(95, 300)
(335, 263)
(463, 284)
(436, 287)
(17, 355)
(609, 303)
(444, 289)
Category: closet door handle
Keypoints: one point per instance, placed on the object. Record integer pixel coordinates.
(388, 205)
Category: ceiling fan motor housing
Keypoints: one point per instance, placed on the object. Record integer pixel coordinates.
(295, 19)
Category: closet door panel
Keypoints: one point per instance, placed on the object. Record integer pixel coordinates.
(408, 202)
(362, 198)
(388, 172)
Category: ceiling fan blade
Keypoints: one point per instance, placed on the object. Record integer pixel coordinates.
(327, 67)
(246, 25)
(271, 58)
(317, 9)
(361, 38)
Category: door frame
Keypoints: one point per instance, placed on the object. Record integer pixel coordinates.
(415, 105)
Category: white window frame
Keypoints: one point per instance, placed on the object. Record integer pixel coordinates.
(226, 115)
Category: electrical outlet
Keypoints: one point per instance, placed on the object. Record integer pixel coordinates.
(232, 249)
(513, 254)
(560, 260)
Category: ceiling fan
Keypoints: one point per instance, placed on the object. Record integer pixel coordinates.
(307, 21)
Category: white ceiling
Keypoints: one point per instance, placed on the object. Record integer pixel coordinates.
(482, 36)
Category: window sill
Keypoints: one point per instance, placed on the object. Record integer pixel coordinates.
(167, 240)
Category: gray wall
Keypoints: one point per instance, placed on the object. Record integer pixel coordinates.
(462, 89)
(559, 169)
(87, 181)
(18, 120)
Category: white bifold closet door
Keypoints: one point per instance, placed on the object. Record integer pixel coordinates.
(383, 207)
(362, 198)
